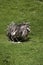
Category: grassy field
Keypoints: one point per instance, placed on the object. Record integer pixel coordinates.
(29, 52)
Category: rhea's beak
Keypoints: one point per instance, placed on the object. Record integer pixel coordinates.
(28, 29)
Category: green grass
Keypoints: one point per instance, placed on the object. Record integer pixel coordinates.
(29, 52)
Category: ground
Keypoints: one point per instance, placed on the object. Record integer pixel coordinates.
(29, 52)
